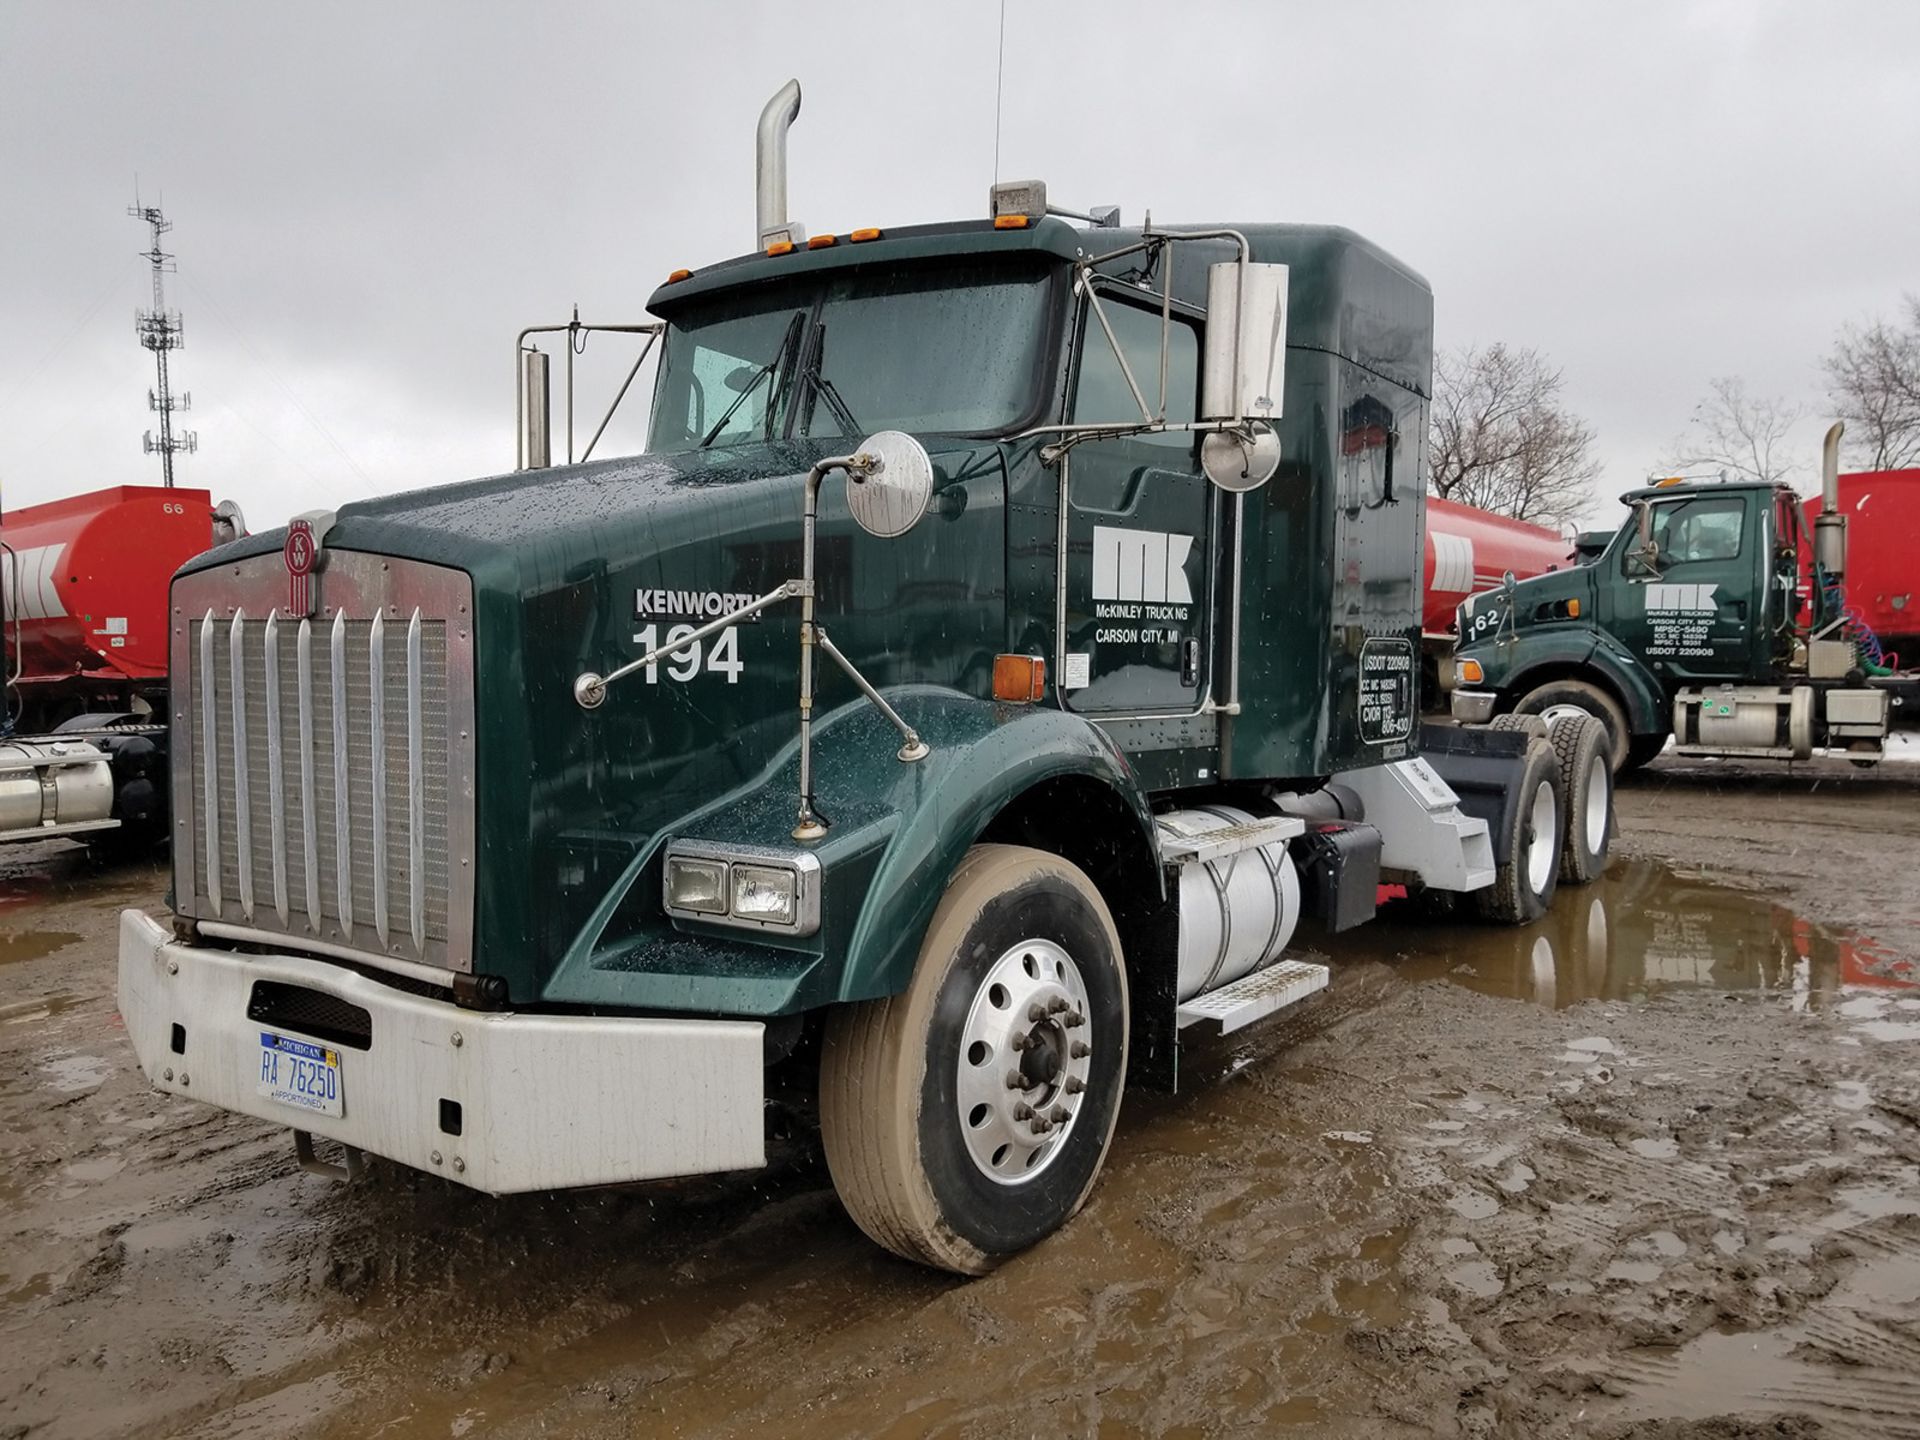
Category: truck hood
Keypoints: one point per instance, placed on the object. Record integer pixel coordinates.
(591, 566)
(477, 525)
(1563, 598)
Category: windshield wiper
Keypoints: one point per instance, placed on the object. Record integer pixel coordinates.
(753, 384)
(824, 388)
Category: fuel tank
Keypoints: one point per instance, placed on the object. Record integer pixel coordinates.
(86, 578)
(1469, 550)
(1883, 555)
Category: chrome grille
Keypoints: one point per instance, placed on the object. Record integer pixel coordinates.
(323, 767)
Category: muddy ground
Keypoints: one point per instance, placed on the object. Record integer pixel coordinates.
(1651, 1168)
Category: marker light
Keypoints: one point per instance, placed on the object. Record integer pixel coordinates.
(780, 247)
(1573, 609)
(820, 242)
(861, 235)
(677, 276)
(1020, 679)
(1011, 222)
(1467, 672)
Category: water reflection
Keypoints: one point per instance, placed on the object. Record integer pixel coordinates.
(1643, 929)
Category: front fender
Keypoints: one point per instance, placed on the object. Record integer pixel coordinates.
(895, 833)
(1514, 664)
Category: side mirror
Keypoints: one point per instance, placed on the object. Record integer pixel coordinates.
(888, 494)
(1646, 551)
(1244, 372)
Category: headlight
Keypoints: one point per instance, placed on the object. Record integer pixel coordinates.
(765, 893)
(696, 885)
(755, 887)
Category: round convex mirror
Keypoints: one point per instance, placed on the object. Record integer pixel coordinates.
(1236, 464)
(890, 498)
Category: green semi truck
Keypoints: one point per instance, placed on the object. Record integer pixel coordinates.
(1008, 637)
(1713, 618)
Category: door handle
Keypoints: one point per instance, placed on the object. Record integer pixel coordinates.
(1739, 608)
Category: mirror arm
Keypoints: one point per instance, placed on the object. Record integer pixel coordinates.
(625, 385)
(1100, 314)
(912, 747)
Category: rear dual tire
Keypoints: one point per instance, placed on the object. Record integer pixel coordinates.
(1524, 882)
(1580, 745)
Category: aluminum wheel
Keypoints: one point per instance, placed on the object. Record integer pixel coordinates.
(1025, 1054)
(1544, 845)
(1555, 712)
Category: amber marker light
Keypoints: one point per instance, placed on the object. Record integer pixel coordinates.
(1010, 222)
(1468, 672)
(677, 276)
(821, 242)
(861, 236)
(1020, 679)
(1573, 609)
(780, 247)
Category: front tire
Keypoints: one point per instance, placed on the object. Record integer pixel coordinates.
(967, 1118)
(1524, 882)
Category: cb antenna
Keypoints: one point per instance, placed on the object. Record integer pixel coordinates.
(999, 78)
(160, 330)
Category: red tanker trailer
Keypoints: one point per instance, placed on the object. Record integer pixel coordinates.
(83, 597)
(1468, 551)
(1883, 557)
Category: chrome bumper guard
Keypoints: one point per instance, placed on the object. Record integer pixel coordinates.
(1473, 707)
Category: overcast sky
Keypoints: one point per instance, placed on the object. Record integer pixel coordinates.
(369, 201)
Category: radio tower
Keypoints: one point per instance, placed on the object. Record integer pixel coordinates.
(159, 330)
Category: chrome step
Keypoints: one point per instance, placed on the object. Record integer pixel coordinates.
(1255, 997)
(1228, 840)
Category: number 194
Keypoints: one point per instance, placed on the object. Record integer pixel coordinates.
(687, 661)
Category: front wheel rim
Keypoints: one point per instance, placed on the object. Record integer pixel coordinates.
(1026, 1054)
(1543, 841)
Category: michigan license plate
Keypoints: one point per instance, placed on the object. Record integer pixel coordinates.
(300, 1073)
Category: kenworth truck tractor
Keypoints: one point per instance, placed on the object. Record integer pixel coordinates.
(1692, 622)
(1001, 645)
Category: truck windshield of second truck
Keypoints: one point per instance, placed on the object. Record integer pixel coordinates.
(953, 350)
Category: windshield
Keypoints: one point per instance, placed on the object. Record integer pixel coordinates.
(956, 349)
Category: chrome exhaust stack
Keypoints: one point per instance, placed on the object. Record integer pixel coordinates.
(1830, 526)
(770, 170)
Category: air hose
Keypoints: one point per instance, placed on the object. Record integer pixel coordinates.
(1874, 657)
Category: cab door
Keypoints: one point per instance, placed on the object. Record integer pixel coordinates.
(1694, 612)
(1141, 522)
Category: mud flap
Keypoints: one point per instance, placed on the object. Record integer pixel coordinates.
(1483, 769)
(1339, 873)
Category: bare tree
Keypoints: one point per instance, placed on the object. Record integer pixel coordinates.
(1873, 379)
(1501, 440)
(1739, 434)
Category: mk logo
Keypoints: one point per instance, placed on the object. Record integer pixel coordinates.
(1694, 599)
(1141, 565)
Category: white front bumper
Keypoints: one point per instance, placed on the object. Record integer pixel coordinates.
(546, 1101)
